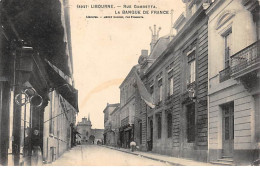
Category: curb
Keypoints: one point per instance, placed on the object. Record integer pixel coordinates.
(151, 158)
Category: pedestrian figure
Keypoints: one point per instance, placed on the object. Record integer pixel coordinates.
(118, 143)
(133, 146)
(36, 149)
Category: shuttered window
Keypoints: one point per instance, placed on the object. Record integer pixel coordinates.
(190, 123)
(169, 125)
(159, 125)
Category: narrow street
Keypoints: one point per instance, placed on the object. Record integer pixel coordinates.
(93, 155)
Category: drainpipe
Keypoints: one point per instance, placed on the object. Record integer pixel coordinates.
(208, 117)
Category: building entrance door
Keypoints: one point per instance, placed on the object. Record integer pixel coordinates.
(228, 129)
(127, 139)
(150, 141)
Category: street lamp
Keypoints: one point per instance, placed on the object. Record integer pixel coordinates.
(191, 93)
(192, 96)
(28, 95)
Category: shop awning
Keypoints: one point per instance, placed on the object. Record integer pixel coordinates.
(128, 128)
(60, 82)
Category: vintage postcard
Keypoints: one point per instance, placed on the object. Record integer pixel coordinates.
(129, 83)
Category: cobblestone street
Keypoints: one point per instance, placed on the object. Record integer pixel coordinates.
(93, 155)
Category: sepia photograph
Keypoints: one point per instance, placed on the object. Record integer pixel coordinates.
(129, 83)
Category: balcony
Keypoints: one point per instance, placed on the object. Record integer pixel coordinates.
(224, 74)
(245, 61)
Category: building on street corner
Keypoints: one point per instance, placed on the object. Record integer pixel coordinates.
(234, 67)
(130, 108)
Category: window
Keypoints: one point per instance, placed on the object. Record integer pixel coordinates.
(170, 81)
(192, 67)
(123, 96)
(51, 123)
(159, 123)
(160, 93)
(152, 90)
(193, 9)
(126, 93)
(228, 47)
(160, 89)
(190, 123)
(169, 125)
(192, 70)
(257, 117)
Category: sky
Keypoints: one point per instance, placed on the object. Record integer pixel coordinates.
(104, 50)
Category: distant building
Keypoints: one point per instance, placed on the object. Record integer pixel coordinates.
(98, 136)
(128, 108)
(115, 124)
(87, 135)
(109, 132)
(84, 130)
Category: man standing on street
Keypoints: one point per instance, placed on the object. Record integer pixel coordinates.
(133, 146)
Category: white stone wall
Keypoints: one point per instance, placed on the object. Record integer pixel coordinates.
(128, 111)
(243, 117)
(243, 34)
(59, 139)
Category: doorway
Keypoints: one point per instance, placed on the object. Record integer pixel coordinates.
(150, 141)
(228, 129)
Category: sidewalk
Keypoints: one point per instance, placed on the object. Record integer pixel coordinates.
(163, 158)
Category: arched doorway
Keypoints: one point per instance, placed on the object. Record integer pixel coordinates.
(91, 139)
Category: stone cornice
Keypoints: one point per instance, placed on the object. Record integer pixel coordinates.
(188, 25)
(213, 6)
(128, 75)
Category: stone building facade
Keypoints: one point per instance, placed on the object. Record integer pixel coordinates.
(87, 135)
(84, 131)
(234, 81)
(109, 132)
(115, 125)
(37, 87)
(204, 83)
(177, 80)
(128, 108)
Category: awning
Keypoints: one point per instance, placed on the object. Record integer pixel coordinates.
(128, 128)
(58, 82)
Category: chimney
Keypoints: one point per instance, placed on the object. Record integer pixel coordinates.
(155, 36)
(144, 53)
(143, 57)
(171, 27)
(142, 60)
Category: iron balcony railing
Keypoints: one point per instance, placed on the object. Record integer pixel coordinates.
(240, 61)
(224, 74)
(245, 58)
